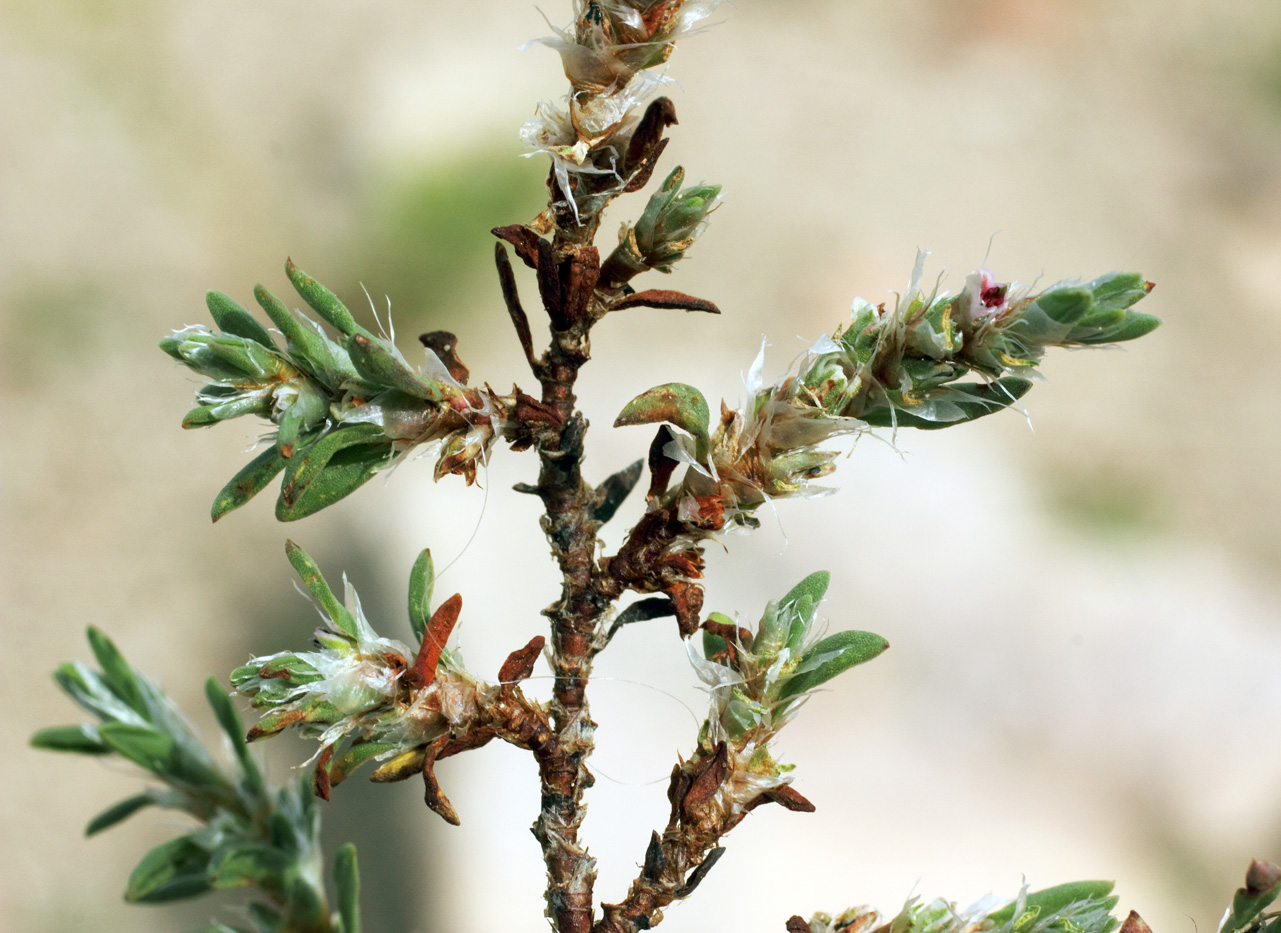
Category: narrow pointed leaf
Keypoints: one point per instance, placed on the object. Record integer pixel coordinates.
(118, 813)
(82, 739)
(252, 479)
(142, 745)
(983, 399)
(1052, 900)
(233, 319)
(342, 767)
(1135, 325)
(347, 882)
(322, 301)
(251, 865)
(307, 346)
(380, 364)
(116, 672)
(611, 493)
(171, 871)
(312, 578)
(234, 729)
(346, 471)
(422, 580)
(329, 469)
(665, 299)
(831, 656)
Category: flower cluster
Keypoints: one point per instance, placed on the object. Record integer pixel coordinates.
(607, 53)
(1078, 907)
(902, 366)
(362, 696)
(758, 680)
(343, 408)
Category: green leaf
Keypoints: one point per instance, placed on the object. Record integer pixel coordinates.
(676, 403)
(803, 600)
(345, 472)
(265, 919)
(233, 319)
(308, 347)
(1052, 900)
(336, 465)
(82, 739)
(1262, 886)
(312, 579)
(118, 813)
(1119, 289)
(714, 645)
(422, 580)
(1065, 305)
(250, 865)
(381, 364)
(1136, 325)
(142, 745)
(347, 881)
(342, 767)
(171, 871)
(251, 480)
(975, 401)
(116, 672)
(322, 301)
(234, 729)
(308, 409)
(203, 416)
(829, 657)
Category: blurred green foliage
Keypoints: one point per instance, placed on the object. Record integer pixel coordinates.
(428, 243)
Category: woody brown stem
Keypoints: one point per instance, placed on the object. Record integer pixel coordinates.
(568, 502)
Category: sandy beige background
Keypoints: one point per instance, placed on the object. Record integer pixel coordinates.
(1085, 619)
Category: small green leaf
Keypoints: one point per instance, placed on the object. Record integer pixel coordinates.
(144, 746)
(802, 600)
(171, 871)
(250, 865)
(312, 578)
(342, 767)
(381, 364)
(422, 580)
(308, 465)
(1262, 886)
(346, 471)
(322, 301)
(975, 401)
(1065, 305)
(116, 672)
(204, 416)
(1136, 325)
(347, 881)
(251, 480)
(233, 319)
(118, 813)
(234, 729)
(676, 403)
(1119, 289)
(1052, 900)
(309, 348)
(308, 409)
(829, 657)
(82, 739)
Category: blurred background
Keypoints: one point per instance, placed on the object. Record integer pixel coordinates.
(1085, 618)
